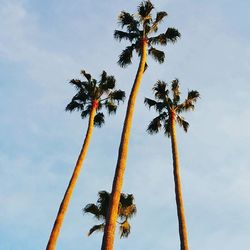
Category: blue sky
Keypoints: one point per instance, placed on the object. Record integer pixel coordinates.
(44, 44)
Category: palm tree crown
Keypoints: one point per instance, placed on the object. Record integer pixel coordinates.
(168, 105)
(91, 93)
(127, 209)
(139, 28)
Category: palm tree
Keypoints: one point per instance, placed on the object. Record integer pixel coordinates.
(127, 209)
(139, 30)
(169, 109)
(91, 96)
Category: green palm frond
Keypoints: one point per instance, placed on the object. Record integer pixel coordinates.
(144, 9)
(86, 112)
(154, 126)
(193, 95)
(125, 57)
(121, 35)
(166, 127)
(92, 209)
(103, 202)
(73, 105)
(99, 119)
(161, 91)
(111, 107)
(172, 35)
(126, 19)
(175, 87)
(181, 121)
(103, 77)
(188, 104)
(76, 83)
(117, 95)
(149, 102)
(87, 76)
(127, 208)
(107, 83)
(159, 18)
(97, 228)
(124, 229)
(157, 55)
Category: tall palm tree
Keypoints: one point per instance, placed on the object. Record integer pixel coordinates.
(139, 30)
(90, 98)
(127, 209)
(169, 108)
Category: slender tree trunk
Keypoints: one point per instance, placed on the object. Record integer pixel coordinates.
(178, 190)
(109, 232)
(65, 202)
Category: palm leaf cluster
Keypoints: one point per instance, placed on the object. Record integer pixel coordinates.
(127, 209)
(142, 27)
(95, 93)
(167, 103)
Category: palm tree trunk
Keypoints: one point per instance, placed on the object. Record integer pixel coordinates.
(178, 190)
(109, 232)
(65, 202)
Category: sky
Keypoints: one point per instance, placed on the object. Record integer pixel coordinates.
(44, 44)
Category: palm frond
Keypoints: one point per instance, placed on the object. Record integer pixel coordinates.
(166, 127)
(99, 119)
(108, 84)
(82, 96)
(76, 83)
(95, 228)
(158, 55)
(160, 90)
(126, 56)
(172, 35)
(188, 104)
(111, 107)
(159, 18)
(124, 229)
(92, 209)
(117, 95)
(176, 91)
(103, 77)
(193, 95)
(145, 8)
(121, 35)
(73, 105)
(181, 121)
(127, 208)
(126, 19)
(87, 76)
(103, 202)
(149, 102)
(154, 126)
(86, 111)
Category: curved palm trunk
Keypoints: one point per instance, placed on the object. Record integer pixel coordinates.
(178, 191)
(109, 232)
(65, 202)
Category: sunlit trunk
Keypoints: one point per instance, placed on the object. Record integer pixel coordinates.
(65, 202)
(178, 190)
(109, 233)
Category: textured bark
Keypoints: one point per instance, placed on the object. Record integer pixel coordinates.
(178, 190)
(66, 199)
(109, 232)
